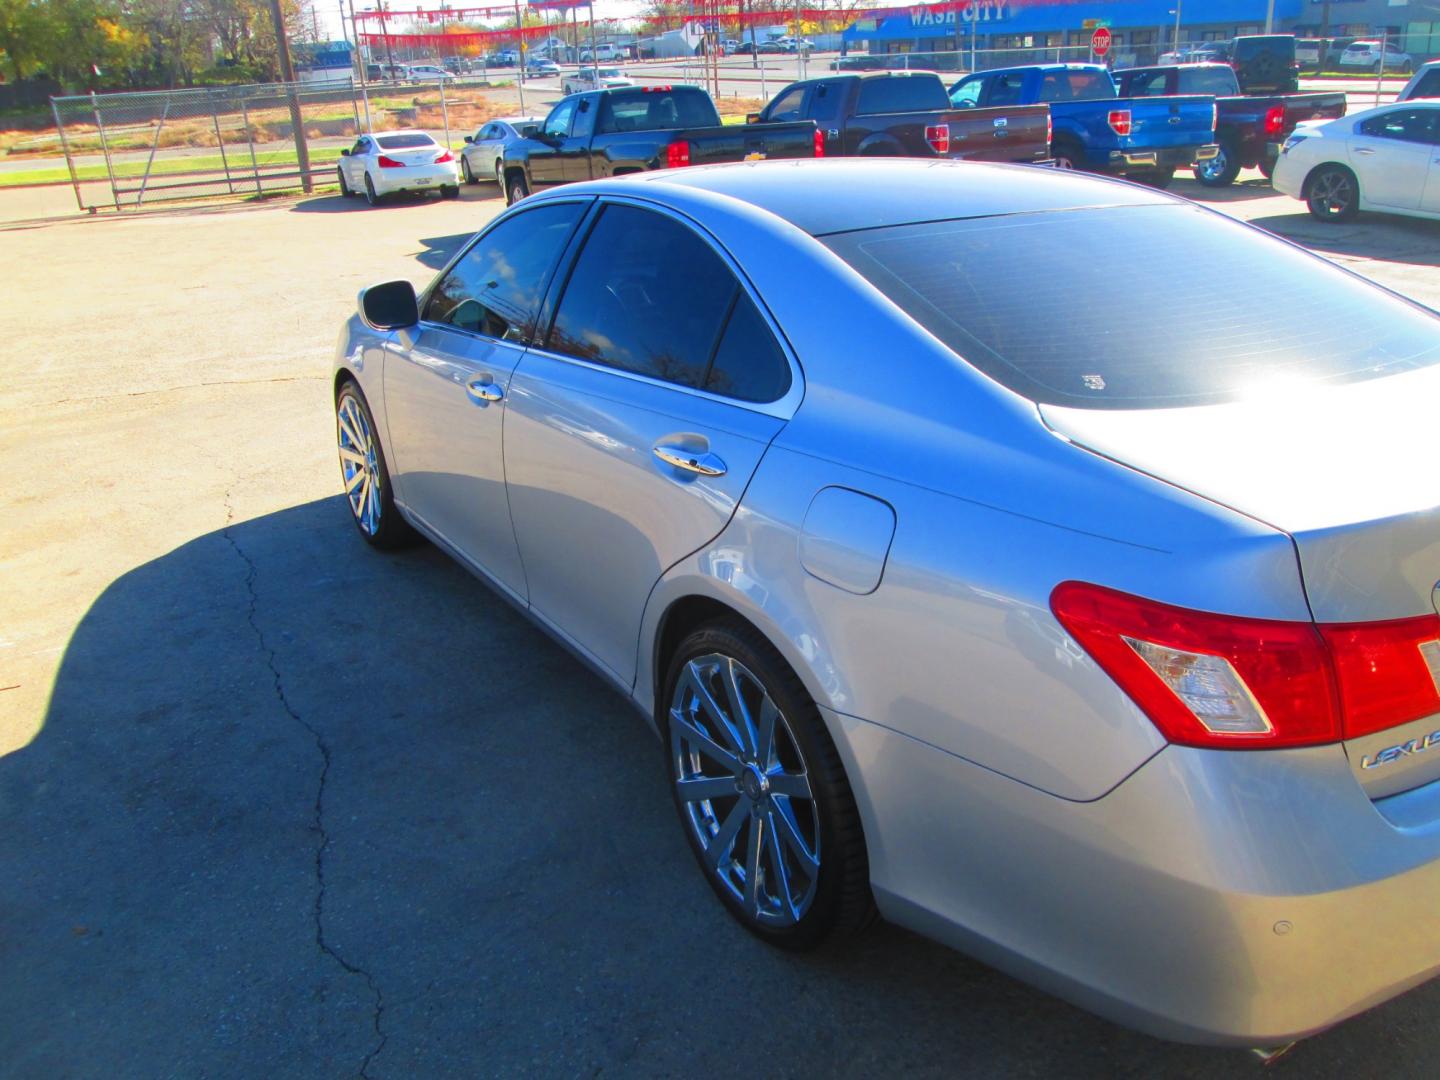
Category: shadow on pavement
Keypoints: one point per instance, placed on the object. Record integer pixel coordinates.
(1371, 236)
(301, 808)
(438, 249)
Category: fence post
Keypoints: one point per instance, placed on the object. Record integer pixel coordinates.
(150, 161)
(105, 147)
(444, 113)
(250, 138)
(1380, 67)
(69, 160)
(220, 139)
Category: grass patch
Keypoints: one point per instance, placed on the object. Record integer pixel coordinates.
(134, 170)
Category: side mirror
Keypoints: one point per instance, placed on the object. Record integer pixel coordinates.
(389, 306)
(344, 153)
(752, 118)
(469, 138)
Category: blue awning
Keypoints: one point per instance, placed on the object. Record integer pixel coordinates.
(920, 23)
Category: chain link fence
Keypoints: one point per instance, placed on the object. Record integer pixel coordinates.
(128, 150)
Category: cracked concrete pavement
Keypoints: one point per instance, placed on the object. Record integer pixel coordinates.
(273, 804)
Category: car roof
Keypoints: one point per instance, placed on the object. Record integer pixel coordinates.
(839, 194)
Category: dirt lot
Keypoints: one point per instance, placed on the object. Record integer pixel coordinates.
(272, 804)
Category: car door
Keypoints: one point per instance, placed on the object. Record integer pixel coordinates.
(826, 106)
(1391, 153)
(1430, 202)
(546, 165)
(575, 148)
(445, 391)
(632, 432)
(354, 164)
(483, 150)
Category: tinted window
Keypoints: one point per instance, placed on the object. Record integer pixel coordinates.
(1406, 125)
(404, 142)
(1006, 89)
(1154, 330)
(1219, 81)
(1429, 84)
(657, 110)
(901, 93)
(1147, 84)
(826, 102)
(648, 295)
(496, 287)
(557, 124)
(787, 106)
(1076, 85)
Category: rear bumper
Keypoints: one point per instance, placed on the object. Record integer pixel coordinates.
(415, 178)
(1233, 898)
(1169, 158)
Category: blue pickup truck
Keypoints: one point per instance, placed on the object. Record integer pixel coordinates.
(1094, 128)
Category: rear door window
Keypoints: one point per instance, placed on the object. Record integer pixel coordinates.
(657, 110)
(1216, 81)
(1429, 84)
(1147, 84)
(826, 102)
(1069, 84)
(1149, 330)
(901, 93)
(649, 296)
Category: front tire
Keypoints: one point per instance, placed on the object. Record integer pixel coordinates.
(364, 474)
(761, 792)
(1222, 169)
(516, 188)
(1333, 194)
(465, 171)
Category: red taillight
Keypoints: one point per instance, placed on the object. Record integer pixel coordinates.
(389, 162)
(938, 136)
(677, 154)
(1383, 672)
(1223, 681)
(443, 158)
(1274, 120)
(656, 89)
(1120, 121)
(819, 143)
(1049, 131)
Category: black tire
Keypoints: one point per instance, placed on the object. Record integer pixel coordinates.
(450, 191)
(386, 529)
(1068, 156)
(370, 196)
(1156, 178)
(500, 174)
(345, 191)
(1332, 193)
(1267, 168)
(465, 171)
(516, 187)
(1222, 170)
(838, 902)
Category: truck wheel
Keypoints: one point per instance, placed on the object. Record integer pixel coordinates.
(1222, 169)
(516, 189)
(1068, 156)
(1156, 178)
(1267, 168)
(1332, 193)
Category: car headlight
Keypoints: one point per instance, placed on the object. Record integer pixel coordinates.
(1295, 139)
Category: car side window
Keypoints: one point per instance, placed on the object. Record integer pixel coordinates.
(496, 287)
(584, 124)
(789, 105)
(647, 295)
(1429, 84)
(361, 145)
(825, 102)
(967, 94)
(557, 124)
(748, 363)
(1006, 89)
(1152, 84)
(1403, 125)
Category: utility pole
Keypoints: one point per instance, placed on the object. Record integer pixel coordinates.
(360, 56)
(389, 52)
(1270, 17)
(520, 56)
(287, 73)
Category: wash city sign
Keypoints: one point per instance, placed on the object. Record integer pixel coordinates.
(981, 11)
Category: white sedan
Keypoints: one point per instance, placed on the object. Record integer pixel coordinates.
(381, 165)
(1387, 159)
(483, 156)
(587, 78)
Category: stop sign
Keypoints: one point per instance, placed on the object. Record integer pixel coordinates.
(1100, 41)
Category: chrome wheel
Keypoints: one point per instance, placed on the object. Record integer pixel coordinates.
(744, 790)
(1333, 195)
(1211, 171)
(359, 465)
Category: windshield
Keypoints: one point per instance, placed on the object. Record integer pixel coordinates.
(1138, 307)
(403, 142)
(610, 73)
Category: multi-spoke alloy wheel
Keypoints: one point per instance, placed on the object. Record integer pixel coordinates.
(760, 789)
(1334, 194)
(741, 779)
(363, 471)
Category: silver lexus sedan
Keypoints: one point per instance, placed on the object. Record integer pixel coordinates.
(1042, 562)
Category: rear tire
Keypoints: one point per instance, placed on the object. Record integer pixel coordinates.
(345, 191)
(1221, 170)
(370, 196)
(1068, 156)
(1267, 168)
(809, 880)
(450, 191)
(515, 188)
(1332, 193)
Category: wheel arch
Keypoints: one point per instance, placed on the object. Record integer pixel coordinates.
(1327, 164)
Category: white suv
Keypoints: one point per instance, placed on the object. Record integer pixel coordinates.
(1367, 54)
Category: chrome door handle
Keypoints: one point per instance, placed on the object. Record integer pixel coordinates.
(483, 389)
(833, 133)
(703, 464)
(1364, 150)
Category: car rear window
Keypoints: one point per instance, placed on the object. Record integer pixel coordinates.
(403, 142)
(1138, 307)
(656, 110)
(1076, 85)
(901, 93)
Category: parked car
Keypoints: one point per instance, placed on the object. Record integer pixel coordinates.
(796, 45)
(1380, 159)
(503, 58)
(422, 73)
(589, 78)
(394, 161)
(606, 53)
(1310, 53)
(483, 157)
(635, 129)
(1248, 129)
(858, 62)
(1376, 57)
(1094, 128)
(909, 114)
(1036, 635)
(743, 48)
(1265, 63)
(541, 68)
(771, 48)
(1425, 83)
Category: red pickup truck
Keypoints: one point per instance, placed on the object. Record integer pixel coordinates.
(908, 114)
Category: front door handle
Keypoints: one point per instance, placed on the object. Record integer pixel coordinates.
(705, 464)
(483, 390)
(1364, 150)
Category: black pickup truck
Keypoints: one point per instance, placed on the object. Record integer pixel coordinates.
(1249, 130)
(907, 114)
(635, 128)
